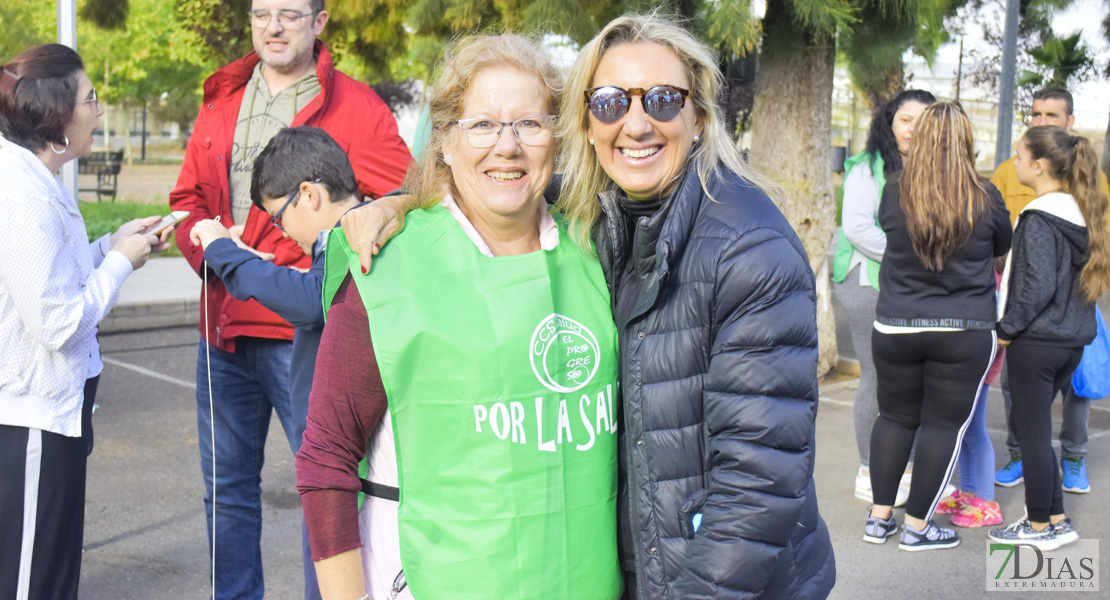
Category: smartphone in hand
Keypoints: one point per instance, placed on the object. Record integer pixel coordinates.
(171, 219)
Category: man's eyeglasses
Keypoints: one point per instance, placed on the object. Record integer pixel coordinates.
(288, 19)
(609, 103)
(276, 219)
(531, 131)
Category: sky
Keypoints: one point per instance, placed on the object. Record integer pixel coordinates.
(1087, 15)
(1092, 99)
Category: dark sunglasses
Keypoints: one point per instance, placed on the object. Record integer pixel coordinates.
(609, 103)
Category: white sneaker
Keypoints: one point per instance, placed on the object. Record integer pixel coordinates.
(863, 488)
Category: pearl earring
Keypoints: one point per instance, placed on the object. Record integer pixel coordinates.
(697, 138)
(447, 158)
(591, 141)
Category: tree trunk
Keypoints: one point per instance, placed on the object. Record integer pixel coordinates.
(791, 143)
(895, 84)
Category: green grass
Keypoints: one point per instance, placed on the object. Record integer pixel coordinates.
(106, 217)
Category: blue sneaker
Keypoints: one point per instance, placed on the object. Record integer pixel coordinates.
(1075, 474)
(1011, 474)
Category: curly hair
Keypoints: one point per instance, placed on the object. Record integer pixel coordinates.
(880, 139)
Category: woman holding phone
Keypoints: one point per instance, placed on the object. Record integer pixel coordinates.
(55, 287)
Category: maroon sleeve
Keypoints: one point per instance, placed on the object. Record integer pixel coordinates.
(346, 404)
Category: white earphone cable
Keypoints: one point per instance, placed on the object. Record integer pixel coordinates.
(211, 410)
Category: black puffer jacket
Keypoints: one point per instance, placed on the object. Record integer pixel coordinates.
(718, 373)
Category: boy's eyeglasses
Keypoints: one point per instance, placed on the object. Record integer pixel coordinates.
(276, 219)
(609, 103)
(531, 131)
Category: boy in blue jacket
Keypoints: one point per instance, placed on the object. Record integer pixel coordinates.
(305, 182)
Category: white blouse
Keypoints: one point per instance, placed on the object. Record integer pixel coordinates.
(55, 287)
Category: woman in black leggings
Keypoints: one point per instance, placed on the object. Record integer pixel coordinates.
(934, 328)
(1060, 264)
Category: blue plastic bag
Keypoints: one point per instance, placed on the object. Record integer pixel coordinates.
(1092, 376)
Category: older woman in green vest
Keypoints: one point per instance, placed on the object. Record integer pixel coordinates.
(860, 246)
(475, 368)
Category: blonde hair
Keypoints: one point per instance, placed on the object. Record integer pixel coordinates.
(1073, 162)
(941, 193)
(583, 177)
(429, 178)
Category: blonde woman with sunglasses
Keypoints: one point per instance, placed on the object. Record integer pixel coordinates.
(714, 299)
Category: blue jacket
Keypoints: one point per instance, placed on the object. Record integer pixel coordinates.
(718, 345)
(294, 296)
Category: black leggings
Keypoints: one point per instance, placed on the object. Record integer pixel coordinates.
(1037, 374)
(928, 380)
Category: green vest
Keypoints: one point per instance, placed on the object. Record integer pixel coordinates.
(842, 261)
(501, 378)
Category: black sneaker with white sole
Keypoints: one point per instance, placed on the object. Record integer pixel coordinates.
(933, 537)
(878, 530)
(1022, 531)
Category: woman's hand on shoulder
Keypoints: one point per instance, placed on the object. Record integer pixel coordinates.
(369, 227)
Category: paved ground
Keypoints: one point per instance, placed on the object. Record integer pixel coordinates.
(145, 534)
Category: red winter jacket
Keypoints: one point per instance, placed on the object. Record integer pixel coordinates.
(348, 110)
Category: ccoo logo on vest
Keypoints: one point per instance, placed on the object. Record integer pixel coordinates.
(565, 357)
(562, 370)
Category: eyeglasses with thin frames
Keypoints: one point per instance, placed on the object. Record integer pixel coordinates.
(95, 100)
(276, 219)
(534, 130)
(288, 19)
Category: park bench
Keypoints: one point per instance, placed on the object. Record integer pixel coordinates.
(106, 166)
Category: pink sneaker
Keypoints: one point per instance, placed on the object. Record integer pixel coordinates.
(977, 512)
(952, 503)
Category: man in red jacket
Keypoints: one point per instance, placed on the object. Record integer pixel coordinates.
(244, 351)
